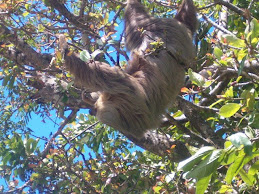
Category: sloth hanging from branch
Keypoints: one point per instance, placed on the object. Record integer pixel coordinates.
(134, 101)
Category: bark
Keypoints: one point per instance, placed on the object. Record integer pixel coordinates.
(192, 112)
(162, 145)
(30, 56)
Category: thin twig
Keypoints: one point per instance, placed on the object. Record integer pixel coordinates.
(216, 25)
(18, 190)
(89, 127)
(58, 132)
(207, 6)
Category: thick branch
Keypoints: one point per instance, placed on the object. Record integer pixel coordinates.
(192, 112)
(216, 90)
(31, 55)
(161, 145)
(225, 74)
(231, 7)
(194, 136)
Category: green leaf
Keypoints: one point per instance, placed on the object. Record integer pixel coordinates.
(227, 144)
(6, 158)
(229, 109)
(202, 184)
(85, 56)
(255, 121)
(41, 28)
(35, 176)
(241, 54)
(27, 6)
(65, 98)
(218, 53)
(225, 189)
(254, 168)
(239, 139)
(252, 30)
(229, 93)
(249, 179)
(30, 145)
(46, 2)
(207, 166)
(196, 78)
(96, 52)
(249, 98)
(242, 64)
(188, 164)
(106, 18)
(218, 101)
(229, 158)
(8, 107)
(11, 82)
(234, 168)
(234, 41)
(157, 189)
(25, 13)
(203, 48)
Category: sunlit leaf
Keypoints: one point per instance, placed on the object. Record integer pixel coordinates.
(189, 163)
(25, 13)
(242, 64)
(248, 178)
(252, 30)
(226, 189)
(234, 168)
(202, 184)
(96, 52)
(156, 189)
(230, 157)
(254, 168)
(207, 166)
(234, 41)
(239, 139)
(196, 78)
(229, 93)
(229, 109)
(85, 56)
(218, 53)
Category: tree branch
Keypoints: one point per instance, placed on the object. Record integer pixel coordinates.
(58, 132)
(216, 25)
(18, 190)
(192, 112)
(161, 145)
(56, 4)
(232, 7)
(35, 58)
(192, 134)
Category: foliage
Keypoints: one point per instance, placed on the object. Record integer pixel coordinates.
(85, 156)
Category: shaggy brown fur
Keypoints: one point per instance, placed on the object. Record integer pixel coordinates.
(134, 100)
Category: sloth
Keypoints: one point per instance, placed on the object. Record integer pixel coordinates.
(134, 100)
